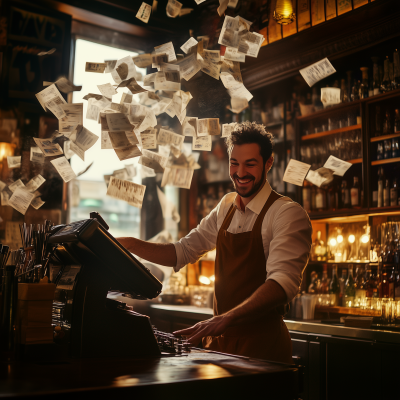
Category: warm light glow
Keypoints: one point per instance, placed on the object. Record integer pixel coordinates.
(283, 13)
(204, 280)
(6, 150)
(212, 278)
(339, 238)
(352, 239)
(365, 238)
(332, 242)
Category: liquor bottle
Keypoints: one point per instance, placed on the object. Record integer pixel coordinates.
(394, 193)
(370, 285)
(396, 120)
(379, 151)
(318, 249)
(344, 98)
(316, 100)
(345, 195)
(381, 181)
(342, 282)
(364, 84)
(396, 69)
(349, 289)
(324, 288)
(355, 193)
(376, 81)
(333, 200)
(387, 126)
(378, 121)
(385, 289)
(355, 91)
(360, 282)
(349, 86)
(334, 287)
(312, 288)
(320, 199)
(385, 85)
(386, 194)
(387, 148)
(391, 76)
(307, 196)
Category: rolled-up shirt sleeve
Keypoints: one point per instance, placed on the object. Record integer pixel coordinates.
(199, 241)
(289, 248)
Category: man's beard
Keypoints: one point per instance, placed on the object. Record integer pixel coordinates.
(254, 189)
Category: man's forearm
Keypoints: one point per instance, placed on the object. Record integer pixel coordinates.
(267, 297)
(159, 253)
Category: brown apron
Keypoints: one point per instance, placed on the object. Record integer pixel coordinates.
(240, 269)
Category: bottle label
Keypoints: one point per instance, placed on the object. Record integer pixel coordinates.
(380, 193)
(319, 200)
(354, 197)
(376, 91)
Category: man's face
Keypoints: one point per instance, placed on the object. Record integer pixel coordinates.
(247, 169)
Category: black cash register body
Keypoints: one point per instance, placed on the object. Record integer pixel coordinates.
(87, 264)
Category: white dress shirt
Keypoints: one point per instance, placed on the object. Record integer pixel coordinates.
(286, 234)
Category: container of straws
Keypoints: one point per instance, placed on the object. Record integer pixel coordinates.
(26, 295)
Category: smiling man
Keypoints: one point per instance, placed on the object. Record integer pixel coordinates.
(262, 242)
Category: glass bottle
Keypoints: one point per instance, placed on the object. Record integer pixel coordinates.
(349, 289)
(394, 193)
(396, 69)
(376, 81)
(391, 76)
(386, 194)
(364, 83)
(381, 182)
(355, 193)
(378, 121)
(360, 282)
(320, 199)
(349, 80)
(387, 126)
(370, 286)
(344, 98)
(342, 282)
(333, 202)
(334, 288)
(355, 91)
(379, 151)
(385, 85)
(312, 288)
(307, 196)
(318, 249)
(324, 288)
(316, 99)
(396, 120)
(387, 148)
(345, 195)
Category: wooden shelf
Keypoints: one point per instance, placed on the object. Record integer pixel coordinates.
(345, 212)
(355, 161)
(385, 137)
(348, 311)
(332, 132)
(386, 161)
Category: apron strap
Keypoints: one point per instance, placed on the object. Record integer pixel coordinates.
(271, 200)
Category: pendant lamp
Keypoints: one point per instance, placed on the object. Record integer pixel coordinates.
(283, 13)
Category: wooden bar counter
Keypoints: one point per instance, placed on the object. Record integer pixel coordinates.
(198, 375)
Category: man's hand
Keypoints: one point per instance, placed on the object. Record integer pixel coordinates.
(211, 327)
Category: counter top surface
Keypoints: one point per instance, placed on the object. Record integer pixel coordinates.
(154, 376)
(305, 326)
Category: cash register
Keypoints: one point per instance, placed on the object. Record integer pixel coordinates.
(88, 263)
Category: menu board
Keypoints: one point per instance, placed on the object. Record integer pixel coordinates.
(317, 11)
(304, 17)
(330, 9)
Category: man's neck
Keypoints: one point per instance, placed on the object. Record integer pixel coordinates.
(243, 201)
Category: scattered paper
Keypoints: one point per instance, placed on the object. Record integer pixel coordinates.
(5, 197)
(296, 171)
(189, 126)
(208, 126)
(167, 80)
(189, 67)
(107, 90)
(330, 96)
(95, 67)
(144, 13)
(63, 167)
(105, 140)
(188, 45)
(50, 98)
(65, 85)
(229, 35)
(37, 202)
(250, 44)
(173, 8)
(149, 139)
(202, 143)
(338, 166)
(166, 137)
(118, 122)
(2, 186)
(317, 71)
(84, 138)
(110, 65)
(35, 183)
(15, 185)
(167, 48)
(131, 170)
(238, 104)
(142, 60)
(223, 4)
(14, 162)
(73, 117)
(20, 200)
(128, 152)
(233, 54)
(132, 85)
(319, 178)
(179, 177)
(227, 129)
(51, 51)
(124, 70)
(127, 191)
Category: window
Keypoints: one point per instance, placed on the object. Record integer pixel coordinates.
(88, 192)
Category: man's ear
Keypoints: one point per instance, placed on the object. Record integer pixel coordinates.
(268, 164)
